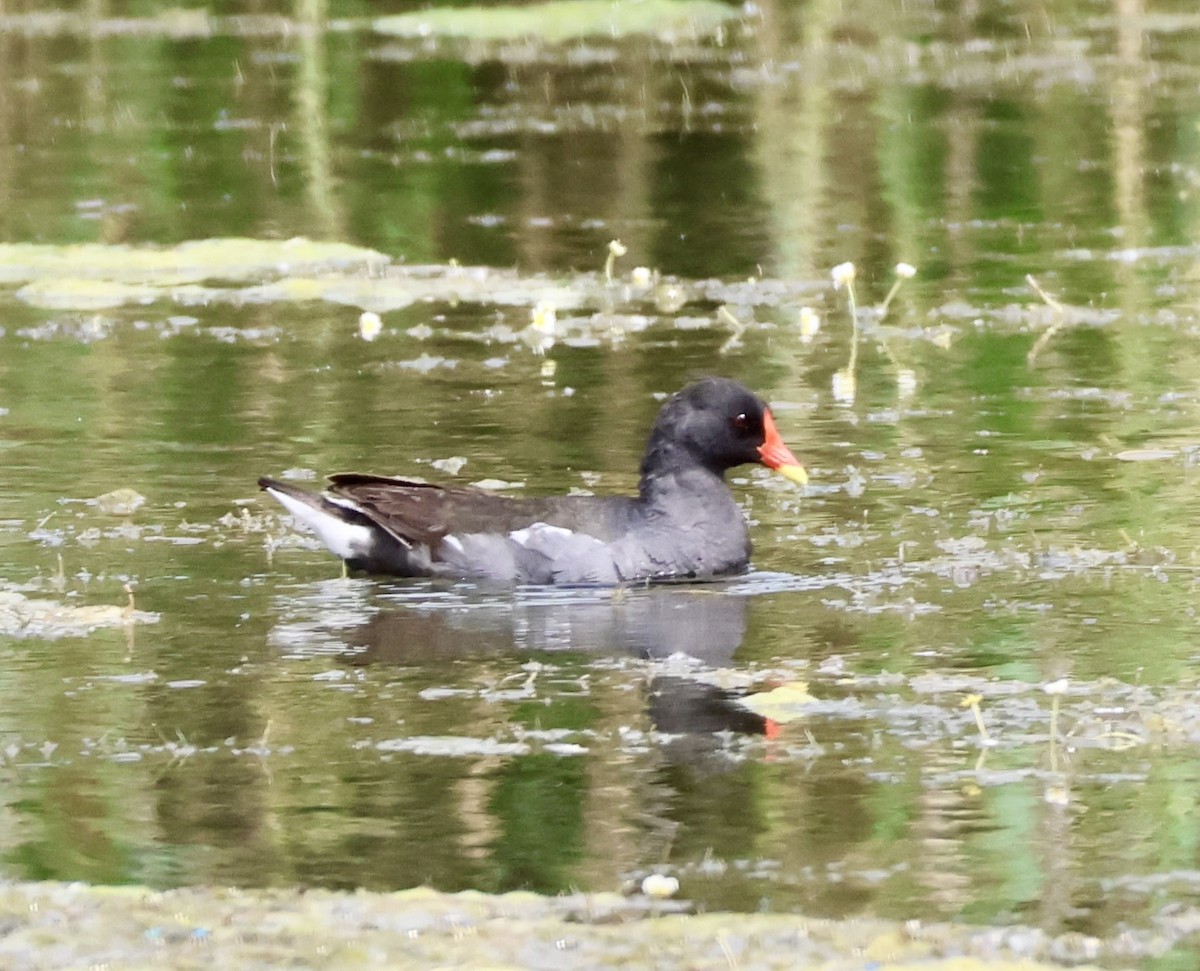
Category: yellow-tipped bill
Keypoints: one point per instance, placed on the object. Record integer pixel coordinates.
(776, 455)
(794, 472)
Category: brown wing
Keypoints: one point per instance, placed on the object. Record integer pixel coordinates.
(421, 512)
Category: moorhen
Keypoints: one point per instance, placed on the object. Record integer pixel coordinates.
(682, 525)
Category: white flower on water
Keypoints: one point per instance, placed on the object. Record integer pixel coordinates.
(1057, 796)
(659, 886)
(810, 323)
(369, 326)
(615, 248)
(844, 385)
(539, 335)
(843, 275)
(544, 317)
(641, 277)
(906, 271)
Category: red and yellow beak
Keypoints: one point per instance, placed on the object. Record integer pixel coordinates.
(777, 456)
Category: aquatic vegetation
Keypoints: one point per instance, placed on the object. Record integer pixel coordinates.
(972, 702)
(120, 502)
(1061, 316)
(67, 293)
(573, 309)
(96, 276)
(615, 249)
(562, 20)
(452, 746)
(22, 616)
(844, 384)
(191, 262)
(904, 271)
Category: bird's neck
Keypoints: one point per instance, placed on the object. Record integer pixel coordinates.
(668, 470)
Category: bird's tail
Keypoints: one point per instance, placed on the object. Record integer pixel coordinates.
(339, 523)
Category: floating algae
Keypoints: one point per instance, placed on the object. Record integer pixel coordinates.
(191, 262)
(562, 20)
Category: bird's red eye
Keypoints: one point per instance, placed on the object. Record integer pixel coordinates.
(741, 422)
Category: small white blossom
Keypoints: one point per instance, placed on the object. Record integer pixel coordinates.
(539, 335)
(617, 248)
(641, 276)
(369, 326)
(544, 317)
(1058, 687)
(845, 386)
(843, 275)
(660, 887)
(810, 323)
(1057, 796)
(906, 271)
(669, 297)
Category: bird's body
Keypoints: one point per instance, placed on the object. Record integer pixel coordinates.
(683, 524)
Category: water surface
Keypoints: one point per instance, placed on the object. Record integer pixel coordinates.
(1002, 486)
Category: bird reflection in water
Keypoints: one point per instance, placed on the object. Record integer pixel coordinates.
(707, 624)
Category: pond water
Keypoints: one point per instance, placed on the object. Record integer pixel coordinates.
(961, 680)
